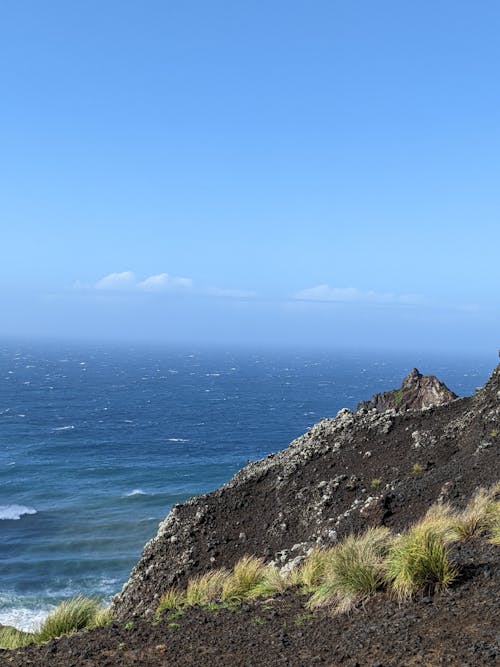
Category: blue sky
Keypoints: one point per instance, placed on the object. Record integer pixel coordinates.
(304, 173)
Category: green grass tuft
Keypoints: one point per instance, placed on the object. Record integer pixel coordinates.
(70, 616)
(309, 574)
(353, 571)
(247, 575)
(479, 515)
(418, 560)
(171, 600)
(272, 582)
(12, 638)
(206, 588)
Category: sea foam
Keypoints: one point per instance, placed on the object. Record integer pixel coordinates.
(14, 512)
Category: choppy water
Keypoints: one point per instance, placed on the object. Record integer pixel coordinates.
(98, 442)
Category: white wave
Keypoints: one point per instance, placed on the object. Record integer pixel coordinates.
(24, 618)
(64, 428)
(178, 440)
(14, 512)
(136, 492)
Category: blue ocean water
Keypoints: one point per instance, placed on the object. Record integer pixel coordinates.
(98, 441)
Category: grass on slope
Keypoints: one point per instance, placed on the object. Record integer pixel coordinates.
(79, 613)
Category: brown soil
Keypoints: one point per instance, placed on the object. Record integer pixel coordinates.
(459, 627)
(314, 492)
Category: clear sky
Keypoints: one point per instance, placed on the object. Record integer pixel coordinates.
(305, 172)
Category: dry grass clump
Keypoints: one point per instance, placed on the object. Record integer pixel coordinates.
(79, 613)
(172, 599)
(309, 574)
(346, 574)
(475, 519)
(273, 582)
(12, 638)
(418, 560)
(246, 577)
(495, 533)
(206, 588)
(353, 571)
(249, 579)
(102, 618)
(441, 519)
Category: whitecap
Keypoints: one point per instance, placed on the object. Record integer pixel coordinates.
(136, 492)
(64, 428)
(178, 440)
(14, 512)
(24, 618)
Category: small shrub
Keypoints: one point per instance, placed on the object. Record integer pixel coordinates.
(417, 469)
(494, 433)
(398, 396)
(70, 616)
(353, 572)
(247, 574)
(375, 483)
(12, 638)
(418, 560)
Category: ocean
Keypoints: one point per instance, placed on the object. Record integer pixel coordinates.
(97, 442)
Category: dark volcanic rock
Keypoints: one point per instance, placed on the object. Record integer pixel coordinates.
(346, 473)
(417, 392)
(343, 475)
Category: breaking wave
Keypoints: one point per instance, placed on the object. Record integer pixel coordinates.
(14, 512)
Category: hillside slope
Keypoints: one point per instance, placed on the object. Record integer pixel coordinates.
(358, 469)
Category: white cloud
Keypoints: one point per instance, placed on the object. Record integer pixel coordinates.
(163, 281)
(127, 281)
(117, 281)
(354, 295)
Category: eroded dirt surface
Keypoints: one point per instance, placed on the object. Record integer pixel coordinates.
(459, 627)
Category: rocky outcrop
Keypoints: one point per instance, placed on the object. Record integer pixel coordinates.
(418, 392)
(369, 467)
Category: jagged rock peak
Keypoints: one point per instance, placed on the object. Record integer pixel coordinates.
(417, 392)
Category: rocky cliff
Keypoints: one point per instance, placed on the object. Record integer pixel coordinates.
(418, 392)
(371, 467)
